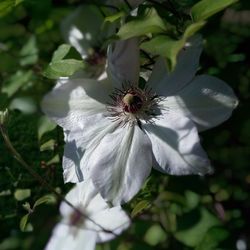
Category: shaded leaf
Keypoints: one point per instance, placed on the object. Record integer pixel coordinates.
(212, 238)
(193, 226)
(45, 125)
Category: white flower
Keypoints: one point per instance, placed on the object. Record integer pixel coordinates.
(121, 130)
(100, 224)
(86, 31)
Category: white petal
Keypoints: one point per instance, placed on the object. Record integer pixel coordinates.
(120, 164)
(72, 157)
(123, 62)
(176, 146)
(69, 103)
(99, 217)
(206, 100)
(168, 83)
(83, 29)
(112, 219)
(65, 238)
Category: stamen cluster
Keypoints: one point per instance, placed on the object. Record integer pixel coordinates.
(132, 104)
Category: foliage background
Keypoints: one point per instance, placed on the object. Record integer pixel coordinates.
(188, 212)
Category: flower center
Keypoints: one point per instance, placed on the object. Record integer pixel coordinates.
(132, 103)
(76, 218)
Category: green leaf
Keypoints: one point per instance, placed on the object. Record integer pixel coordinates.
(48, 145)
(47, 199)
(149, 23)
(55, 159)
(193, 226)
(139, 207)
(155, 235)
(45, 125)
(26, 105)
(192, 29)
(29, 52)
(7, 5)
(63, 68)
(23, 222)
(115, 17)
(213, 237)
(17, 81)
(22, 194)
(166, 47)
(206, 8)
(61, 52)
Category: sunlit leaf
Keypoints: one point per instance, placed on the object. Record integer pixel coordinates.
(22, 194)
(46, 199)
(23, 222)
(63, 68)
(61, 52)
(164, 46)
(139, 207)
(206, 8)
(149, 22)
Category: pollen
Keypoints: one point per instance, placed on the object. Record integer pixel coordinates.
(132, 103)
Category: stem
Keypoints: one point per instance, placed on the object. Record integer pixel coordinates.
(42, 181)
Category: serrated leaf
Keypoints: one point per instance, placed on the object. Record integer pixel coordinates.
(23, 223)
(22, 194)
(139, 207)
(48, 199)
(63, 68)
(149, 23)
(45, 125)
(206, 8)
(61, 52)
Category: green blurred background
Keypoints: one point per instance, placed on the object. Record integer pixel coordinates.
(188, 212)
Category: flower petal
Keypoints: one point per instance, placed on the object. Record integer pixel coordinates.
(81, 141)
(72, 157)
(99, 217)
(206, 100)
(123, 62)
(176, 146)
(83, 29)
(168, 83)
(106, 219)
(69, 103)
(120, 164)
(65, 237)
